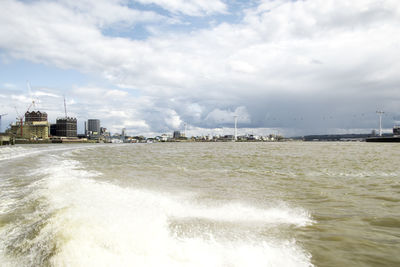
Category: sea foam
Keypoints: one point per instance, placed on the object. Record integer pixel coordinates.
(85, 222)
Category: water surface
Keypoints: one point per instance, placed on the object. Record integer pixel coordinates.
(200, 204)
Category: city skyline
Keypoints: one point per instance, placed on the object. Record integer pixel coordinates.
(152, 66)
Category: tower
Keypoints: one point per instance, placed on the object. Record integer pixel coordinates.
(93, 128)
(380, 113)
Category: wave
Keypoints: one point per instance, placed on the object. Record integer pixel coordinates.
(14, 152)
(79, 221)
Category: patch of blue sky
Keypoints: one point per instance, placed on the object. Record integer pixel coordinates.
(179, 22)
(134, 32)
(18, 71)
(15, 73)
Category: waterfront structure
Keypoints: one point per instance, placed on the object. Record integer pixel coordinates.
(394, 138)
(65, 127)
(105, 135)
(35, 126)
(164, 138)
(6, 139)
(396, 130)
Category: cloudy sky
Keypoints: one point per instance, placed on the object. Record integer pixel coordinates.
(150, 66)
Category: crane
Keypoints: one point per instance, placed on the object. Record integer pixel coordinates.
(1, 115)
(65, 107)
(32, 104)
(21, 118)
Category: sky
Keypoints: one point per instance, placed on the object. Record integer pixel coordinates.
(151, 66)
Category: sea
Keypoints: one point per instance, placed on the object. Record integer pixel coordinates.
(200, 204)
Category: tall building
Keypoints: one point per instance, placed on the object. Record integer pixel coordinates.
(93, 128)
(123, 134)
(66, 127)
(177, 134)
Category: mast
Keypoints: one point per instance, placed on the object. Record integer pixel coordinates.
(380, 113)
(65, 108)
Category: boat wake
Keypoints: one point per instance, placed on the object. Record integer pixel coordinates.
(68, 218)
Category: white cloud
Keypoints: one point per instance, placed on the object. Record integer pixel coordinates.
(226, 116)
(41, 94)
(283, 56)
(9, 85)
(172, 119)
(116, 94)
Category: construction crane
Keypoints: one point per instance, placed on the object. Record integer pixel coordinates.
(1, 115)
(21, 118)
(65, 108)
(31, 105)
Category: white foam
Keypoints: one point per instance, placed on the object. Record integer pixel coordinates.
(14, 152)
(239, 212)
(99, 224)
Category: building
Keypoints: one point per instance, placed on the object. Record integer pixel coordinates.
(6, 139)
(396, 130)
(66, 127)
(93, 128)
(177, 134)
(105, 135)
(35, 126)
(35, 116)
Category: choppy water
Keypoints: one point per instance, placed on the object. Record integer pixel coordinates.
(200, 204)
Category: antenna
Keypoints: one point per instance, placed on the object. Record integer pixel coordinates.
(0, 119)
(65, 108)
(236, 118)
(380, 113)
